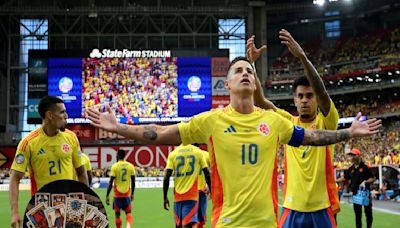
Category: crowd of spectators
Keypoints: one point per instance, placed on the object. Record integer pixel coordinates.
(382, 148)
(140, 172)
(345, 56)
(133, 87)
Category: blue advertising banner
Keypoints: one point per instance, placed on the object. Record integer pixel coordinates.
(65, 82)
(194, 86)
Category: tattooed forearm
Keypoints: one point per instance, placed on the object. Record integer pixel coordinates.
(324, 137)
(122, 128)
(150, 132)
(317, 84)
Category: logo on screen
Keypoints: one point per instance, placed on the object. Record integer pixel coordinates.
(95, 53)
(65, 84)
(194, 83)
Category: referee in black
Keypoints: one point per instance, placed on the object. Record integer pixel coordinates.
(359, 174)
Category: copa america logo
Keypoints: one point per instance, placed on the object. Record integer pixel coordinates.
(65, 84)
(194, 83)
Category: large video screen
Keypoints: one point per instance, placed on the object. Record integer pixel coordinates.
(139, 86)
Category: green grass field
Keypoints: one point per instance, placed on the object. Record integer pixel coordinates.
(148, 211)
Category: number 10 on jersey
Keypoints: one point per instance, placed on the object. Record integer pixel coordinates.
(249, 153)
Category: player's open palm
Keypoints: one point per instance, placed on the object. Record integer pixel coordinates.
(254, 53)
(104, 120)
(366, 128)
(291, 43)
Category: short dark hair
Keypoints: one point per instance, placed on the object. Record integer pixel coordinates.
(121, 154)
(47, 103)
(300, 81)
(237, 59)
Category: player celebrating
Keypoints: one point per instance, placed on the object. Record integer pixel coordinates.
(243, 141)
(186, 162)
(49, 152)
(123, 173)
(310, 193)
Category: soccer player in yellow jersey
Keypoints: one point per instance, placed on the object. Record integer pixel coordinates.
(185, 162)
(203, 192)
(310, 195)
(242, 141)
(123, 173)
(49, 153)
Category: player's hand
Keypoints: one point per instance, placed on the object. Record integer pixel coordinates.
(252, 52)
(366, 128)
(107, 200)
(105, 120)
(16, 221)
(132, 197)
(166, 204)
(291, 43)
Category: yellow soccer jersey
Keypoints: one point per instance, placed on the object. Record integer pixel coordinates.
(186, 162)
(48, 158)
(243, 155)
(86, 163)
(122, 171)
(309, 180)
(202, 179)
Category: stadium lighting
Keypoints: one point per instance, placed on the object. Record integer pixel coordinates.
(377, 75)
(389, 73)
(319, 2)
(359, 78)
(397, 72)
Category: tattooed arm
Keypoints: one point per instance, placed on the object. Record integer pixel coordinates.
(327, 137)
(324, 137)
(323, 99)
(151, 134)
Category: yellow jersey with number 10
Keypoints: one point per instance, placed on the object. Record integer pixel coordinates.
(243, 155)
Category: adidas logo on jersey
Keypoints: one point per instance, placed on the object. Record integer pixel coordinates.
(41, 151)
(230, 129)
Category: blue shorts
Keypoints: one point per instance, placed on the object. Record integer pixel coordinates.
(122, 203)
(185, 212)
(293, 219)
(202, 211)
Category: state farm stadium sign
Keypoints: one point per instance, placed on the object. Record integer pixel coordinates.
(125, 53)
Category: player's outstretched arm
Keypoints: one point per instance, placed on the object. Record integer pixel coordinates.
(253, 54)
(313, 77)
(357, 129)
(152, 134)
(168, 174)
(82, 175)
(16, 176)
